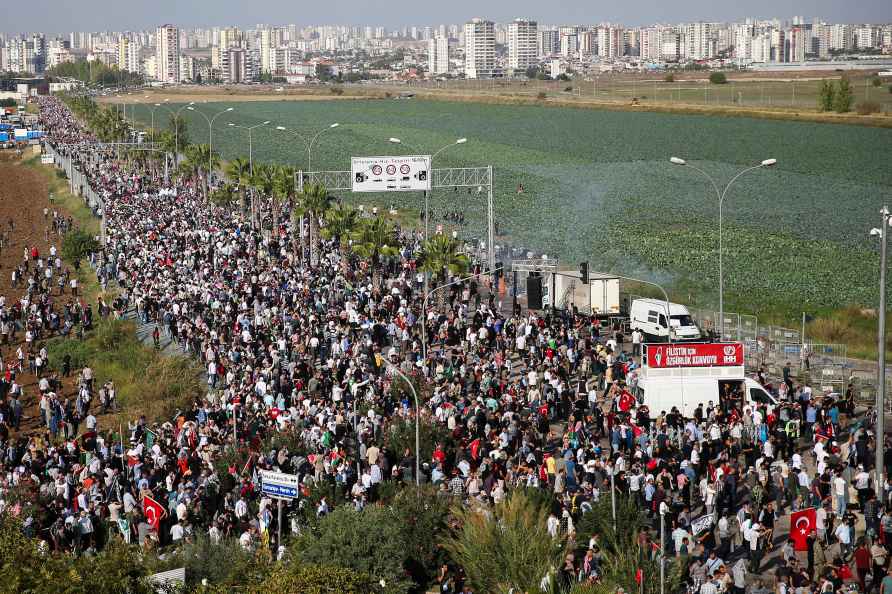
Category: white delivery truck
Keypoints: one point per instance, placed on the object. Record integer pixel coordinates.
(601, 294)
(649, 316)
(690, 374)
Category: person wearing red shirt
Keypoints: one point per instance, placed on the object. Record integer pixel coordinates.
(862, 563)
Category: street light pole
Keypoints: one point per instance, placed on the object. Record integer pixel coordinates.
(210, 122)
(250, 130)
(720, 194)
(417, 423)
(176, 133)
(308, 144)
(431, 292)
(883, 233)
(430, 176)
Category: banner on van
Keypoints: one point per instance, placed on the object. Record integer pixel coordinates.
(713, 354)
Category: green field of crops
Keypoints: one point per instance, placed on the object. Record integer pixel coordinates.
(598, 185)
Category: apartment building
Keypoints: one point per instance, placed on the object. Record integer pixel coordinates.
(480, 49)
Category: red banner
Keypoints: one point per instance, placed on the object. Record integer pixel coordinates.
(714, 354)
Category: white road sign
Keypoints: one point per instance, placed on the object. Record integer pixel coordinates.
(391, 174)
(280, 485)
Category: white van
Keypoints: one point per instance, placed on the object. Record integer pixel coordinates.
(685, 393)
(649, 316)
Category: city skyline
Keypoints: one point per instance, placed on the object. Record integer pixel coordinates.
(115, 16)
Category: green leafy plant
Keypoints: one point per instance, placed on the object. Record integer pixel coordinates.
(845, 96)
(77, 245)
(718, 78)
(506, 548)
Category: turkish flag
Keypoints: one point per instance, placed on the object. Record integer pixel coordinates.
(475, 448)
(626, 401)
(802, 523)
(153, 511)
(639, 576)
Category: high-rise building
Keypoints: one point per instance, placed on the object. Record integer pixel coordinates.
(651, 43)
(549, 42)
(820, 40)
(523, 45)
(866, 37)
(743, 42)
(569, 44)
(700, 41)
(796, 42)
(778, 45)
(167, 54)
(480, 49)
(842, 37)
(760, 48)
(438, 55)
(267, 52)
(236, 63)
(671, 45)
(611, 42)
(128, 55)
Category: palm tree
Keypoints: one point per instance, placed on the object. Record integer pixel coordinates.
(239, 171)
(340, 222)
(263, 180)
(166, 140)
(283, 189)
(375, 239)
(314, 202)
(224, 195)
(202, 161)
(439, 256)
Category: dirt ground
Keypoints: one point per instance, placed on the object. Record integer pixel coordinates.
(230, 94)
(23, 196)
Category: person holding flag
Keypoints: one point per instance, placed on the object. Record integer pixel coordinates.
(802, 524)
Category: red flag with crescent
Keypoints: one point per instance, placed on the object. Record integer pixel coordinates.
(802, 523)
(153, 511)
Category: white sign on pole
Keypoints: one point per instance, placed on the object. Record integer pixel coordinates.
(391, 174)
(280, 485)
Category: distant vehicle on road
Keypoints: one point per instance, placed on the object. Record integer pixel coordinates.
(649, 316)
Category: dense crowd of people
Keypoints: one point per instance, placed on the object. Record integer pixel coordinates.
(312, 350)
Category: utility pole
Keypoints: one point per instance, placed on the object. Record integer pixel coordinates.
(881, 352)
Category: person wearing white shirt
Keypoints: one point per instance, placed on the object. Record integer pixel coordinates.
(241, 508)
(840, 491)
(176, 532)
(844, 535)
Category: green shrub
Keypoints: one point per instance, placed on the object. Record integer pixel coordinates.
(875, 81)
(845, 96)
(718, 78)
(77, 244)
(669, 78)
(867, 107)
(300, 578)
(506, 548)
(371, 542)
(79, 351)
(541, 95)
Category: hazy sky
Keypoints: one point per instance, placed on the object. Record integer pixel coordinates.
(99, 15)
